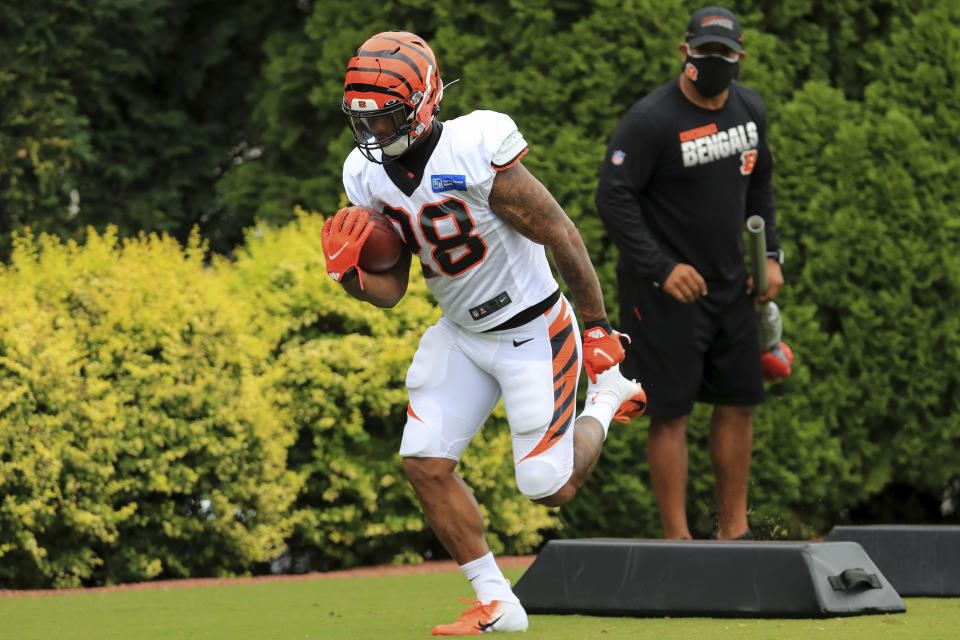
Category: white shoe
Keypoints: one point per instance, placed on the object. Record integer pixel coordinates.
(611, 388)
(485, 618)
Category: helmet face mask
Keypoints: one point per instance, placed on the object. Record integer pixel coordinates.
(388, 129)
(391, 94)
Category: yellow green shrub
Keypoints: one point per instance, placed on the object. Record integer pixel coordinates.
(139, 435)
(163, 417)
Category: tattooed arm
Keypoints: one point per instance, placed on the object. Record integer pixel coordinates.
(525, 204)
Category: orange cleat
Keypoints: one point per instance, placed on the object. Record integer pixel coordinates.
(485, 618)
(633, 407)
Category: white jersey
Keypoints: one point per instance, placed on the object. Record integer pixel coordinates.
(481, 271)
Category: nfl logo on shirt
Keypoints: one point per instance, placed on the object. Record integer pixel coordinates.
(617, 157)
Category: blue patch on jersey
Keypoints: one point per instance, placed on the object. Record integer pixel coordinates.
(448, 182)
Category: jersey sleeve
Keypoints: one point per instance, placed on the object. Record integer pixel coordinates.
(352, 183)
(503, 144)
(630, 159)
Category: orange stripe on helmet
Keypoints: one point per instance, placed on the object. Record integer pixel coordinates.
(371, 75)
(412, 42)
(397, 54)
(405, 67)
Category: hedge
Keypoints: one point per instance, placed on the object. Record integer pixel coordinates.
(165, 417)
(139, 436)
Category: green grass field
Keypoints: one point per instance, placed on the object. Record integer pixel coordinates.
(399, 607)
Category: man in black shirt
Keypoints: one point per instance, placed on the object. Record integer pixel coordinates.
(684, 169)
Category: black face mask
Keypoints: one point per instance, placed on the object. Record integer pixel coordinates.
(710, 75)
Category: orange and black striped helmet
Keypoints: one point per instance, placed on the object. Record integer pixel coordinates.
(393, 74)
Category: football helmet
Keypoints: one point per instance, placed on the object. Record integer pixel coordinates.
(391, 94)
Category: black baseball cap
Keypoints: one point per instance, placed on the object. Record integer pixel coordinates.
(715, 24)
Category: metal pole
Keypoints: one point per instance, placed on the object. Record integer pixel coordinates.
(758, 253)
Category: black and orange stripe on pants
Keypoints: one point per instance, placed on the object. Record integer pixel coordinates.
(566, 361)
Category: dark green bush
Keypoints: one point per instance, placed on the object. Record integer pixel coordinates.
(867, 193)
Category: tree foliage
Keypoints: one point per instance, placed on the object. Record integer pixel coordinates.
(165, 116)
(127, 113)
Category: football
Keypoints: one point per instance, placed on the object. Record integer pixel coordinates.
(381, 251)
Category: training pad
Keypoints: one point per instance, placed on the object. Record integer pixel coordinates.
(918, 560)
(625, 577)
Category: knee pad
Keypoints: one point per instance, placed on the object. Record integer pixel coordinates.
(421, 435)
(537, 478)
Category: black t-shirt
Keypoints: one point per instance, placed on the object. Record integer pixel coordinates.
(679, 181)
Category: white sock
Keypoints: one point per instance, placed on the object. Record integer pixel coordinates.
(600, 407)
(487, 580)
(599, 412)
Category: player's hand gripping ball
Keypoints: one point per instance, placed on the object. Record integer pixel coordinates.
(359, 238)
(342, 238)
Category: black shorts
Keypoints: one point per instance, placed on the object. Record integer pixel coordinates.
(705, 351)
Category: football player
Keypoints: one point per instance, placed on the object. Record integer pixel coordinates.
(478, 220)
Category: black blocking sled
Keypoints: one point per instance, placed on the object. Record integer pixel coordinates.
(918, 560)
(625, 577)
